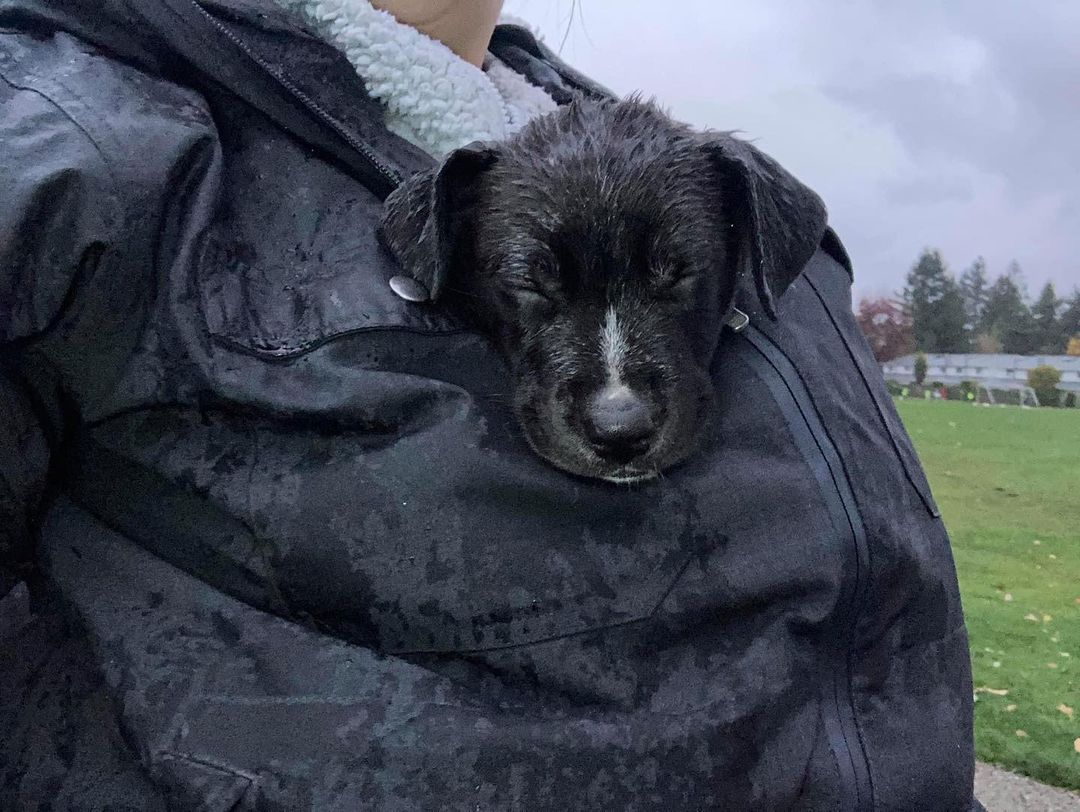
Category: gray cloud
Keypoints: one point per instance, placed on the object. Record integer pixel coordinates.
(927, 189)
(947, 124)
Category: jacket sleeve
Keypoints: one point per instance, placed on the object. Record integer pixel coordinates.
(102, 163)
(57, 211)
(24, 462)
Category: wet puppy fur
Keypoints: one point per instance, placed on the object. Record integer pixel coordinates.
(601, 249)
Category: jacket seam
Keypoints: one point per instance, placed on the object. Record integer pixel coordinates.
(841, 482)
(924, 494)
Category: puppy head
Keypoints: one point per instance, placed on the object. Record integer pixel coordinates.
(601, 249)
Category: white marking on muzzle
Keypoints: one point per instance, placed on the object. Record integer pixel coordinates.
(613, 347)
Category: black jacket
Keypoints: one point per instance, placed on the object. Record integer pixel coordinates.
(286, 546)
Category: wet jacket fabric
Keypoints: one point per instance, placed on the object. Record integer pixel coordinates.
(272, 540)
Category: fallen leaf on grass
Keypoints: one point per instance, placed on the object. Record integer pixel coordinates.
(982, 689)
(1076, 745)
(1020, 734)
(1008, 597)
(1066, 710)
(1010, 708)
(1051, 665)
(1047, 618)
(1032, 617)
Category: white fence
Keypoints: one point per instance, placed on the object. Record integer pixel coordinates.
(994, 371)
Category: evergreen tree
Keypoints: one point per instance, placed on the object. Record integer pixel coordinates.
(1016, 274)
(1004, 305)
(1070, 318)
(1007, 316)
(1049, 336)
(935, 306)
(974, 287)
(952, 336)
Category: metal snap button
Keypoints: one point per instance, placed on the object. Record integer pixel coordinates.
(409, 289)
(738, 320)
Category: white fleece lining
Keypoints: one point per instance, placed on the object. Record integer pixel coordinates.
(433, 97)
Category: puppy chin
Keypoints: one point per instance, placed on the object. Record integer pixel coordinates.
(569, 453)
(550, 434)
(591, 466)
(631, 479)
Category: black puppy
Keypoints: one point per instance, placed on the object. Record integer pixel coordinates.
(601, 249)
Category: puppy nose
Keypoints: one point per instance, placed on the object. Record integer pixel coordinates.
(618, 424)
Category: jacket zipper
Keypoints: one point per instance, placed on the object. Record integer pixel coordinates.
(788, 389)
(392, 177)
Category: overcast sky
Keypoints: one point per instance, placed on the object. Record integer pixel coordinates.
(947, 124)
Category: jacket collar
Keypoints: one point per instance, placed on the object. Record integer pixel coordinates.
(267, 56)
(326, 81)
(431, 96)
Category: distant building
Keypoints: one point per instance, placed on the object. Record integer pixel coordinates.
(997, 371)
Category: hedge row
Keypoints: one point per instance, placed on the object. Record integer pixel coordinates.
(967, 391)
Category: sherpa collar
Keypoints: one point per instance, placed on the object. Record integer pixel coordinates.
(433, 97)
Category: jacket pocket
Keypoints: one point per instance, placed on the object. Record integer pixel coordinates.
(288, 309)
(504, 566)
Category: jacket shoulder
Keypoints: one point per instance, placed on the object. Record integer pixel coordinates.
(90, 147)
(124, 112)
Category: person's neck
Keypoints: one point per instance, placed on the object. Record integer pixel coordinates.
(463, 26)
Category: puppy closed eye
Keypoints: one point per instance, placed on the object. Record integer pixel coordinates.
(536, 286)
(529, 292)
(674, 279)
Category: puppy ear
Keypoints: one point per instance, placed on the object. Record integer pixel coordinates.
(779, 221)
(423, 219)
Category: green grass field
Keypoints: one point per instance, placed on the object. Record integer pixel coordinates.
(1008, 483)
